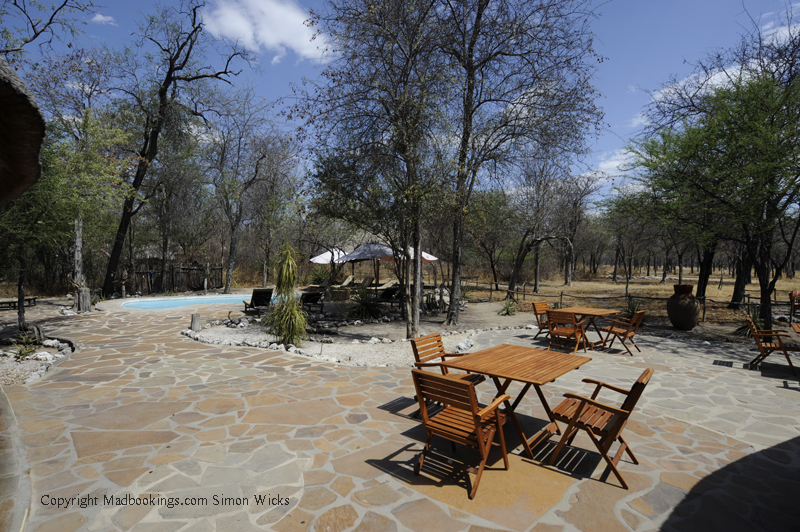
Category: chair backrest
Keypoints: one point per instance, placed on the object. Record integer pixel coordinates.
(756, 334)
(636, 320)
(347, 281)
(366, 282)
(540, 309)
(310, 298)
(450, 391)
(428, 348)
(636, 390)
(262, 297)
(389, 293)
(556, 318)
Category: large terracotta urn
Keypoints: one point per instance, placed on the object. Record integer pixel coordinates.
(683, 308)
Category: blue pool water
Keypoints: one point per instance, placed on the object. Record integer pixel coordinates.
(174, 302)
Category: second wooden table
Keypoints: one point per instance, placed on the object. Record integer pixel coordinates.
(529, 365)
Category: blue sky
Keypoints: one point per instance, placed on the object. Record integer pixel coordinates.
(644, 43)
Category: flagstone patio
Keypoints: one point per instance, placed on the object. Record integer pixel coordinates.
(238, 438)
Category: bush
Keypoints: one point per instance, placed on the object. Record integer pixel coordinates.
(509, 309)
(287, 319)
(744, 330)
(319, 275)
(366, 304)
(631, 308)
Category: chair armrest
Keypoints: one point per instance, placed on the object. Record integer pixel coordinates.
(621, 321)
(596, 403)
(453, 355)
(422, 365)
(605, 384)
(495, 404)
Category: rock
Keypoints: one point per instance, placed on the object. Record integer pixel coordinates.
(50, 343)
(464, 345)
(530, 326)
(385, 341)
(43, 356)
(374, 340)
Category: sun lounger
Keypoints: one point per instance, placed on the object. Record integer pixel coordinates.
(260, 301)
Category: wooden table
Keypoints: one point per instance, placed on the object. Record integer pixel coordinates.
(796, 327)
(528, 365)
(591, 314)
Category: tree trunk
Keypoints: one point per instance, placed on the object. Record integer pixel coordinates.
(165, 261)
(231, 260)
(568, 258)
(23, 327)
(458, 252)
(536, 270)
(132, 261)
(706, 261)
(416, 303)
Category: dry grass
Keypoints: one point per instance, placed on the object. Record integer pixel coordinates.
(605, 293)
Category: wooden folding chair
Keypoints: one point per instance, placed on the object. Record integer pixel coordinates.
(603, 423)
(766, 347)
(624, 330)
(462, 420)
(429, 353)
(565, 331)
(540, 309)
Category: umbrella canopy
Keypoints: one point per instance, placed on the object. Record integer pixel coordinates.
(426, 257)
(376, 250)
(325, 258)
(369, 251)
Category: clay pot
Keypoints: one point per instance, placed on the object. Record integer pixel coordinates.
(683, 308)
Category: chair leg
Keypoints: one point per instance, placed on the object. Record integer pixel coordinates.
(502, 439)
(478, 478)
(627, 348)
(786, 354)
(608, 460)
(418, 467)
(628, 449)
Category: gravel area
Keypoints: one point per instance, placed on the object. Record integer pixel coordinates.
(395, 353)
(14, 371)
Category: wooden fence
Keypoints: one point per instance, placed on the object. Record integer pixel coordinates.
(179, 278)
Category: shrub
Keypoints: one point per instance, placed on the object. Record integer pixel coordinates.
(366, 304)
(287, 319)
(509, 309)
(319, 275)
(631, 308)
(744, 329)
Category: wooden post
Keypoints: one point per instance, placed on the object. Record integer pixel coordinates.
(561, 300)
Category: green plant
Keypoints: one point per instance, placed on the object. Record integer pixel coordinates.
(286, 321)
(25, 346)
(744, 329)
(319, 275)
(366, 304)
(170, 293)
(556, 306)
(631, 308)
(509, 308)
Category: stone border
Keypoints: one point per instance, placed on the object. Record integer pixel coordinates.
(273, 346)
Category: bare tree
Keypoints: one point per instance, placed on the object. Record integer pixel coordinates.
(520, 72)
(25, 21)
(245, 151)
(167, 68)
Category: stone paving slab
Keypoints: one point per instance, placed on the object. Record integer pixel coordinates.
(236, 438)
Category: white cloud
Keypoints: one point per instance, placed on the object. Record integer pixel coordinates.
(639, 120)
(610, 163)
(103, 19)
(276, 26)
(632, 89)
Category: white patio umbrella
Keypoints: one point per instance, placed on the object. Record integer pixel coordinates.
(379, 252)
(325, 258)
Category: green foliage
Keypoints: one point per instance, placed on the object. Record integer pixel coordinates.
(744, 330)
(286, 274)
(287, 320)
(319, 275)
(170, 293)
(509, 308)
(631, 308)
(556, 306)
(366, 304)
(25, 346)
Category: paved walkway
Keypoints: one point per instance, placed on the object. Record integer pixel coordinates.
(234, 438)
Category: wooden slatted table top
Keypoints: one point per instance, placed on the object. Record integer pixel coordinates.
(524, 364)
(796, 327)
(590, 311)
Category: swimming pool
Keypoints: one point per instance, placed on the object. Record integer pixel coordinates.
(174, 302)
